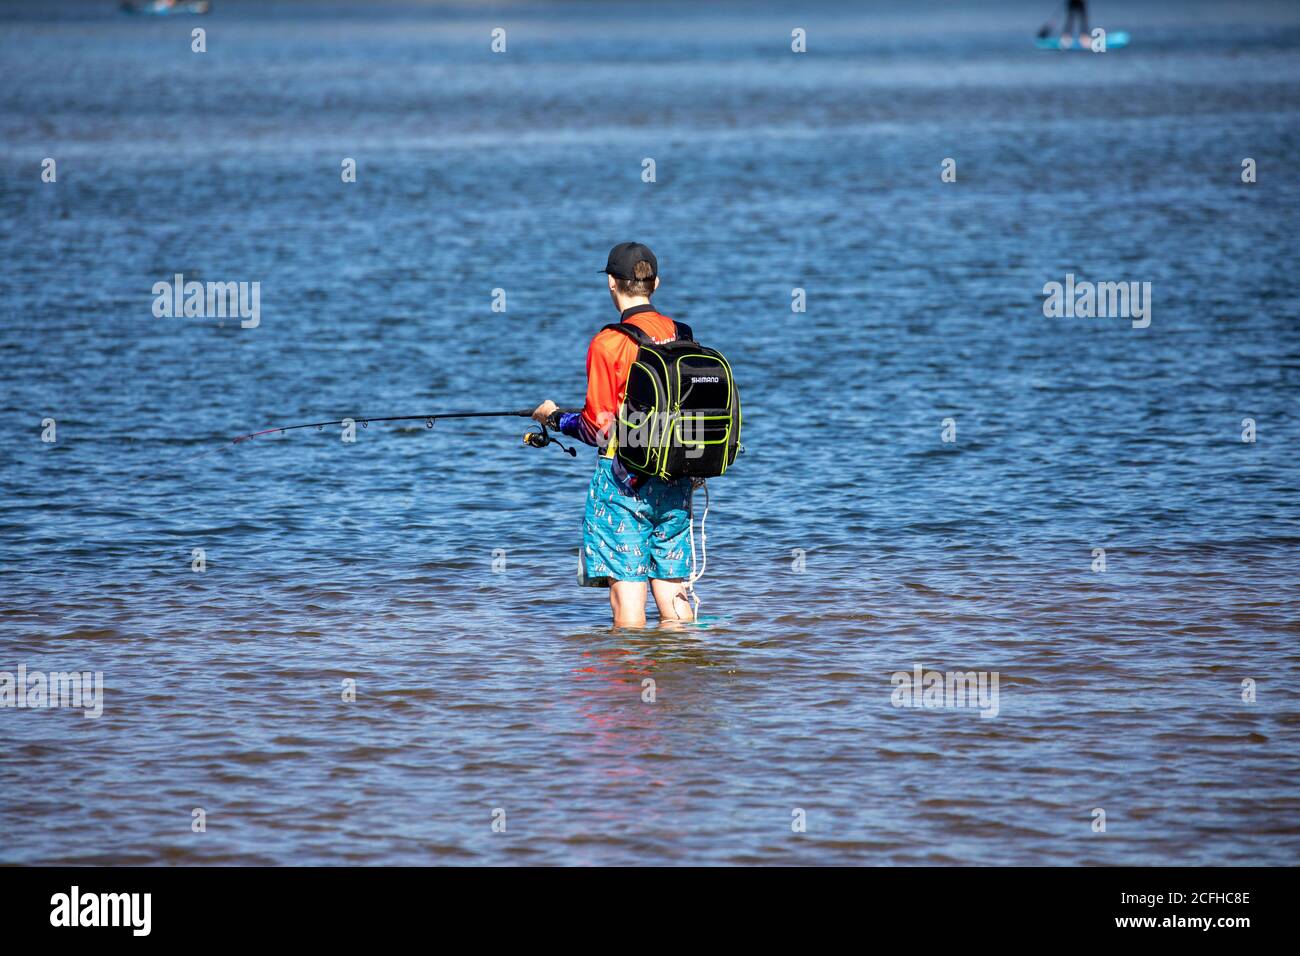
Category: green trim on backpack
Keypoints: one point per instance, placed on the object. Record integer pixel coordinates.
(668, 431)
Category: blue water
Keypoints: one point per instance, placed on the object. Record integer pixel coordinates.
(849, 543)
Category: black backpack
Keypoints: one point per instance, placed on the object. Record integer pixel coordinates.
(680, 416)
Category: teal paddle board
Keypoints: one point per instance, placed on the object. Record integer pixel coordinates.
(161, 8)
(1114, 41)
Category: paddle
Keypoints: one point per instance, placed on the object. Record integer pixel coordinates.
(1048, 28)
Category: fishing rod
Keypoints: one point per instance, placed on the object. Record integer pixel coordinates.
(538, 437)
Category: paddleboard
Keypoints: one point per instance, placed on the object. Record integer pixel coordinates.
(157, 9)
(1114, 41)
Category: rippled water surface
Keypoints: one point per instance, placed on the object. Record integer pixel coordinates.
(1120, 690)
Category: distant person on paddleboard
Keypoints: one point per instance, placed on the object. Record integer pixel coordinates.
(1076, 11)
(636, 527)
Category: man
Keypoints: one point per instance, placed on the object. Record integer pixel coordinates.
(636, 528)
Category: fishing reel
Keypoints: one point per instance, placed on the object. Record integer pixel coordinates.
(540, 438)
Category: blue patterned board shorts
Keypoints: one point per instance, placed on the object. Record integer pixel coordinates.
(634, 534)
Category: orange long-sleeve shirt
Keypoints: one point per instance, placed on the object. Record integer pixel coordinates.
(609, 360)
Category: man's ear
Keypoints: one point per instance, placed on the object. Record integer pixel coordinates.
(656, 283)
(610, 281)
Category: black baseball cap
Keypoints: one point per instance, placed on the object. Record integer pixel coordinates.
(624, 257)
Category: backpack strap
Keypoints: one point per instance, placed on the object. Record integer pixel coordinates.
(684, 333)
(631, 331)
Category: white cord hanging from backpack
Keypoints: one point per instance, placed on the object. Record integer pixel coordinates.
(696, 574)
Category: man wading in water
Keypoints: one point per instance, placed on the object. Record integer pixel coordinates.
(636, 527)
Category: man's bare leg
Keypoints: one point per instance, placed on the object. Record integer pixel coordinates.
(627, 602)
(671, 599)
